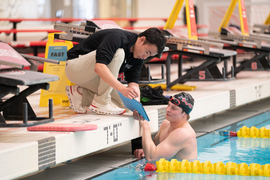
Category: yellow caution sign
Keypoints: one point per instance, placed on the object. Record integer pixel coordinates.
(57, 51)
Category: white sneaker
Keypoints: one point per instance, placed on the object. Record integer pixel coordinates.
(75, 99)
(109, 108)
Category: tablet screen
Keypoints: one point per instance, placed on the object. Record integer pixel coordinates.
(132, 104)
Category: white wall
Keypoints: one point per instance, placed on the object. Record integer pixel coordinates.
(156, 9)
(16, 9)
(211, 12)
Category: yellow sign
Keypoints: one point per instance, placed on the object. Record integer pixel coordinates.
(57, 91)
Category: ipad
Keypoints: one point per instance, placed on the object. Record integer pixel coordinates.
(132, 104)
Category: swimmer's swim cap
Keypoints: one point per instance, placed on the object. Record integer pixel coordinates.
(184, 101)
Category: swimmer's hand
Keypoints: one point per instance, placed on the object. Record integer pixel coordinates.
(138, 153)
(144, 124)
(137, 116)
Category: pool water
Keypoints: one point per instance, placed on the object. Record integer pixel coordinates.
(211, 147)
(215, 148)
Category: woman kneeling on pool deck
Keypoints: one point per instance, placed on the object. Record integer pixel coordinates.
(175, 139)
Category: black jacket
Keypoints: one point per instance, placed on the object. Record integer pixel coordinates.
(106, 42)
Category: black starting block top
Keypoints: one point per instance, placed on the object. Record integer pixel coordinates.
(252, 42)
(178, 40)
(222, 52)
(16, 77)
(214, 52)
(10, 75)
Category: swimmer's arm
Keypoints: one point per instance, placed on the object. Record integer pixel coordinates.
(171, 145)
(161, 128)
(156, 139)
(166, 149)
(103, 71)
(147, 142)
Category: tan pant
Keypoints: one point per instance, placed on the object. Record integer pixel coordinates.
(81, 72)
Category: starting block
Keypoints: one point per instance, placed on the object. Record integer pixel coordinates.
(190, 46)
(258, 44)
(207, 70)
(194, 48)
(17, 108)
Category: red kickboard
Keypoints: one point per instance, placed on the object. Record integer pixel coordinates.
(63, 127)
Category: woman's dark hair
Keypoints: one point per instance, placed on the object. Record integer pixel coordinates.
(156, 37)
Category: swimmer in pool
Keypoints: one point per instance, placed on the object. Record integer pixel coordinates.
(176, 138)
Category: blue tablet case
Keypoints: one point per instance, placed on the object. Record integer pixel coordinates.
(132, 104)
